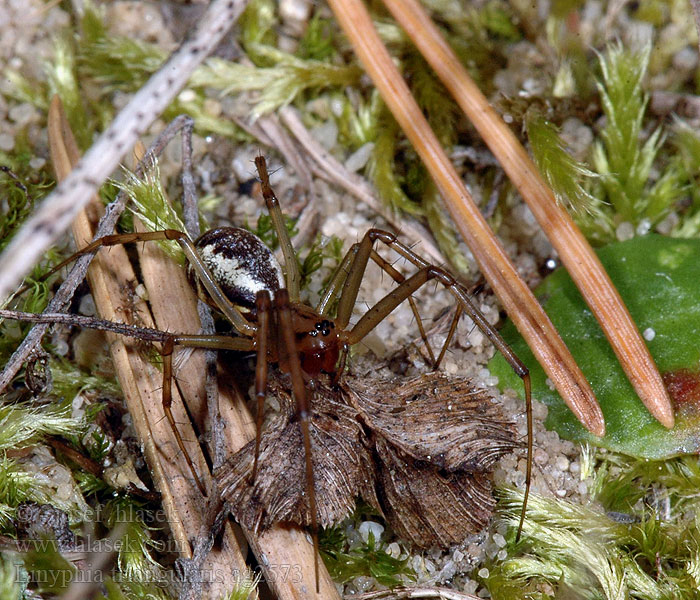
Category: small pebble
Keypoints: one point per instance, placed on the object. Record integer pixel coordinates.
(187, 95)
(358, 159)
(562, 463)
(624, 231)
(7, 142)
(649, 334)
(540, 457)
(64, 491)
(87, 306)
(483, 573)
(22, 114)
(371, 526)
(499, 540)
(326, 134)
(643, 227)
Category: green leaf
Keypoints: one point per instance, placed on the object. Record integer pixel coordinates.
(658, 280)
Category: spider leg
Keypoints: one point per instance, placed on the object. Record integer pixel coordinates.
(387, 304)
(229, 310)
(167, 353)
(450, 335)
(293, 277)
(288, 351)
(262, 305)
(399, 278)
(335, 287)
(197, 341)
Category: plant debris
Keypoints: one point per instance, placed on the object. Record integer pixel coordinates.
(419, 451)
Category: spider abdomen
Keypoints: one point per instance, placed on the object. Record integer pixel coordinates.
(240, 262)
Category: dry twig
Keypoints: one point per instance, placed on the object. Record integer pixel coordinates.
(60, 208)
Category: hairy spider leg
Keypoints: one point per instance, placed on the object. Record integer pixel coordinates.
(287, 350)
(334, 288)
(213, 342)
(263, 308)
(399, 278)
(230, 311)
(291, 266)
(167, 400)
(355, 269)
(169, 343)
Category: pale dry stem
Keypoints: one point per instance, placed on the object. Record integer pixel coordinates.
(174, 305)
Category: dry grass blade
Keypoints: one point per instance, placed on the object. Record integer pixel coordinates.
(142, 383)
(110, 275)
(517, 299)
(576, 254)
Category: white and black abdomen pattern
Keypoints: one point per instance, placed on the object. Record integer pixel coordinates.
(241, 264)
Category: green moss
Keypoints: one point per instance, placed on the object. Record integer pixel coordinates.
(47, 567)
(134, 557)
(114, 62)
(18, 485)
(12, 574)
(277, 85)
(581, 552)
(565, 175)
(381, 168)
(22, 426)
(317, 42)
(148, 202)
(21, 187)
(257, 23)
(622, 158)
(368, 559)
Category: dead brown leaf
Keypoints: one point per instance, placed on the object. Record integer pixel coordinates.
(419, 450)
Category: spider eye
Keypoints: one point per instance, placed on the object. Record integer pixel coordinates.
(324, 327)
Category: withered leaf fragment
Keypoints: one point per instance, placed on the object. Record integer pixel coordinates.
(342, 465)
(445, 421)
(418, 450)
(428, 506)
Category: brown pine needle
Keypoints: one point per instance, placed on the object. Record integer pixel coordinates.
(516, 297)
(577, 255)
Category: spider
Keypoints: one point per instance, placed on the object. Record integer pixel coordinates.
(236, 273)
